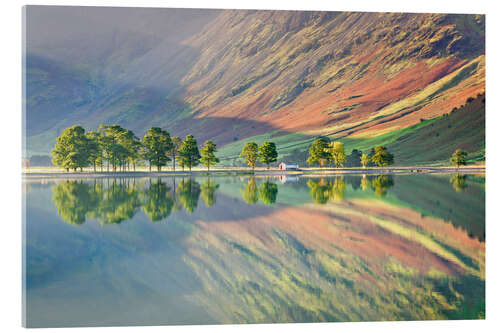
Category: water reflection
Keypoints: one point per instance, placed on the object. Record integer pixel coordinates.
(113, 201)
(268, 192)
(380, 184)
(188, 194)
(256, 250)
(459, 182)
(208, 188)
(249, 192)
(157, 201)
(74, 200)
(323, 190)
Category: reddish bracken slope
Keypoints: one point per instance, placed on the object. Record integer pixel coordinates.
(324, 72)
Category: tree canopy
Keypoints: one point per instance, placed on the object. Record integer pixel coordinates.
(208, 157)
(337, 154)
(268, 153)
(157, 144)
(459, 158)
(382, 157)
(250, 153)
(189, 155)
(318, 152)
(71, 150)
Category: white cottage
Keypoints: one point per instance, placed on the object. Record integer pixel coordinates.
(284, 166)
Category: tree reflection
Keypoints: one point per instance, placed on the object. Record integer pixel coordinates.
(337, 191)
(74, 201)
(459, 182)
(268, 192)
(323, 190)
(157, 201)
(365, 183)
(319, 190)
(118, 202)
(188, 193)
(112, 201)
(208, 188)
(380, 184)
(249, 192)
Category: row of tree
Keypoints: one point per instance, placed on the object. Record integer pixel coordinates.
(323, 152)
(265, 153)
(119, 148)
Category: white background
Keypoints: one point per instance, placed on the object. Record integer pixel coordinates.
(10, 143)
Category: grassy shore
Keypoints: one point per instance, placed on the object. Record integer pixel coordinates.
(144, 172)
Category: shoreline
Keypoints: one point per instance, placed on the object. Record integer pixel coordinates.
(260, 172)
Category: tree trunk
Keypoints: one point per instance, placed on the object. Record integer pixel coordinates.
(173, 159)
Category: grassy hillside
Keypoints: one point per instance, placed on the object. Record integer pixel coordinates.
(429, 141)
(233, 75)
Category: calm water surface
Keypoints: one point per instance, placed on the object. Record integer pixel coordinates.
(152, 251)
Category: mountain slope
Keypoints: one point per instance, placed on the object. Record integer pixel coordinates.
(259, 73)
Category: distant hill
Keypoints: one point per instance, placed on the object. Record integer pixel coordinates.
(235, 75)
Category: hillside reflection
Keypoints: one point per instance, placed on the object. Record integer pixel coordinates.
(258, 249)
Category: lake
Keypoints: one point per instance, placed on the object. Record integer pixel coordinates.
(228, 249)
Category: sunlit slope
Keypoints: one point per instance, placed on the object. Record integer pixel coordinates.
(430, 141)
(239, 74)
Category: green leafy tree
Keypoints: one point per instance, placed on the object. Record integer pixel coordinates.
(459, 158)
(94, 148)
(176, 144)
(354, 159)
(382, 157)
(208, 157)
(132, 145)
(250, 153)
(156, 143)
(318, 152)
(114, 152)
(268, 192)
(189, 155)
(365, 160)
(268, 153)
(208, 189)
(249, 192)
(71, 150)
(337, 154)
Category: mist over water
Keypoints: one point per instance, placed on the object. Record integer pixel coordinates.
(201, 250)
